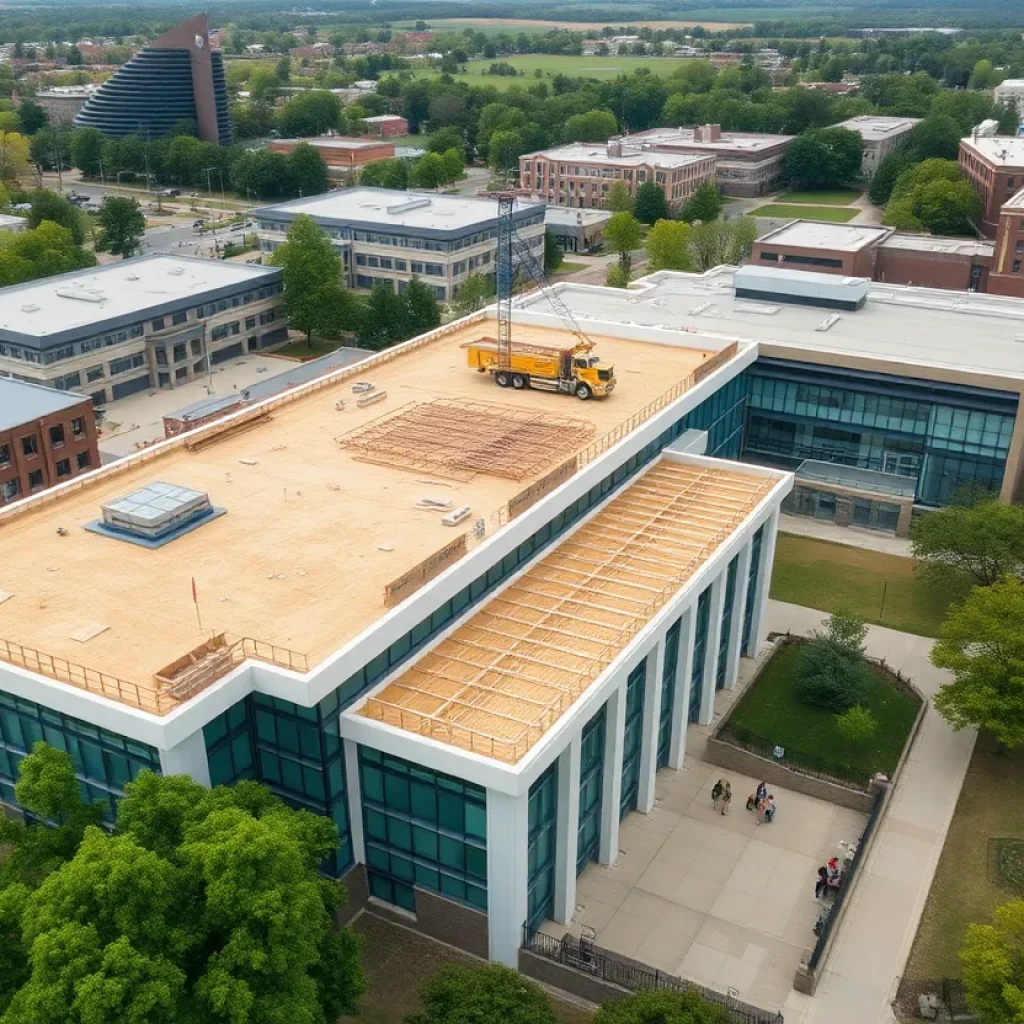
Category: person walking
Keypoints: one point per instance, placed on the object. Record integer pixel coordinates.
(822, 883)
(761, 804)
(726, 798)
(716, 793)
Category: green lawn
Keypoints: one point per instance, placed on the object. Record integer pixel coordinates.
(825, 197)
(566, 267)
(397, 961)
(809, 212)
(991, 805)
(818, 574)
(772, 710)
(300, 350)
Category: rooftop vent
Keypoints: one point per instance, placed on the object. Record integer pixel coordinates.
(80, 292)
(176, 271)
(30, 307)
(409, 204)
(155, 514)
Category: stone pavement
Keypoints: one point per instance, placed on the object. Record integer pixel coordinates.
(881, 919)
(852, 536)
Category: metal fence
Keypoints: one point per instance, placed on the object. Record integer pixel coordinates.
(798, 760)
(584, 956)
(851, 874)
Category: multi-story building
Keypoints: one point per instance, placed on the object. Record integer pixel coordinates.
(343, 156)
(63, 102)
(390, 237)
(1011, 92)
(746, 163)
(177, 77)
(995, 165)
(581, 174)
(576, 230)
(46, 437)
(371, 685)
(149, 322)
(881, 135)
(1007, 277)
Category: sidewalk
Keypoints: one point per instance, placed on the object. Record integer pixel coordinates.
(852, 536)
(881, 920)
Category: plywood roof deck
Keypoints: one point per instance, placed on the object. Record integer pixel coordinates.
(501, 680)
(311, 535)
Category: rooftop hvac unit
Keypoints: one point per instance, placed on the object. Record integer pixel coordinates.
(801, 287)
(455, 517)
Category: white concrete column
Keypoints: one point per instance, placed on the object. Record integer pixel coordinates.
(764, 581)
(653, 670)
(611, 782)
(508, 827)
(681, 699)
(739, 603)
(187, 758)
(567, 831)
(354, 793)
(707, 696)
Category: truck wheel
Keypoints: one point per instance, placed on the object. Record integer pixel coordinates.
(518, 381)
(583, 392)
(502, 380)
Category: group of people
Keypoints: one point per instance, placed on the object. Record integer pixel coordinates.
(721, 796)
(763, 803)
(830, 877)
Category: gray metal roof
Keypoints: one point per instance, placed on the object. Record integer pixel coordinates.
(21, 402)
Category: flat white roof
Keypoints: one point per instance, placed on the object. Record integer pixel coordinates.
(875, 128)
(564, 216)
(928, 327)
(336, 142)
(597, 152)
(127, 288)
(932, 243)
(816, 234)
(386, 207)
(734, 141)
(1011, 83)
(1000, 150)
(382, 117)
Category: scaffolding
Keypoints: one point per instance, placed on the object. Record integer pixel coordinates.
(503, 678)
(459, 438)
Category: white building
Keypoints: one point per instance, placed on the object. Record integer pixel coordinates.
(881, 136)
(1011, 92)
(385, 236)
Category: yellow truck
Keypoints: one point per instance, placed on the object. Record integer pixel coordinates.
(573, 371)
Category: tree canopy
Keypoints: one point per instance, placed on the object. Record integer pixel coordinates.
(981, 643)
(832, 670)
(823, 158)
(485, 994)
(705, 204)
(663, 1007)
(722, 241)
(933, 196)
(650, 204)
(668, 246)
(618, 199)
(41, 252)
(52, 206)
(993, 970)
(122, 225)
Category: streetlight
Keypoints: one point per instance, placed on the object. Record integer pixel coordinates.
(209, 187)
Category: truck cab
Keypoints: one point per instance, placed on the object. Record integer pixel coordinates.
(596, 374)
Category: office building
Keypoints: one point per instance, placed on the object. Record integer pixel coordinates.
(63, 102)
(576, 230)
(46, 437)
(389, 237)
(746, 163)
(1011, 93)
(343, 156)
(881, 135)
(581, 174)
(175, 78)
(995, 165)
(149, 322)
(1007, 277)
(877, 253)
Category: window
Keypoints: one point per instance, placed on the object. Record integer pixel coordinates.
(63, 468)
(250, 322)
(180, 352)
(5, 454)
(158, 324)
(1016, 267)
(57, 435)
(542, 817)
(180, 317)
(78, 427)
(635, 686)
(588, 831)
(668, 691)
(94, 373)
(29, 446)
(84, 460)
(10, 490)
(197, 346)
(35, 480)
(126, 363)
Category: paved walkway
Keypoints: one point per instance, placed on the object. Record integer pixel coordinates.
(852, 536)
(881, 920)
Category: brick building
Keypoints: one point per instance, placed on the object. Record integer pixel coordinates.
(995, 166)
(1007, 277)
(385, 125)
(46, 437)
(582, 173)
(342, 155)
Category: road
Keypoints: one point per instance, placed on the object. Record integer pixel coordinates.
(178, 237)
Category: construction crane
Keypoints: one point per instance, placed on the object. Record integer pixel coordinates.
(571, 370)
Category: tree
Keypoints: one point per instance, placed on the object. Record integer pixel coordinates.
(454, 165)
(623, 233)
(663, 1007)
(832, 670)
(889, 170)
(482, 994)
(935, 136)
(823, 158)
(429, 171)
(47, 250)
(422, 312)
(314, 297)
(262, 173)
(474, 292)
(982, 643)
(447, 138)
(650, 204)
(618, 199)
(391, 173)
(668, 246)
(704, 205)
(310, 113)
(48, 147)
(713, 243)
(617, 276)
(122, 225)
(384, 321)
(308, 170)
(504, 150)
(52, 206)
(33, 116)
(14, 156)
(593, 126)
(552, 253)
(993, 973)
(205, 905)
(932, 195)
(982, 541)
(87, 151)
(857, 725)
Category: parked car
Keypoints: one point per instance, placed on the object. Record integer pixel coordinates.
(171, 193)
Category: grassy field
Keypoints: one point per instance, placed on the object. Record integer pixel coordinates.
(397, 961)
(991, 805)
(552, 64)
(300, 350)
(823, 197)
(818, 574)
(772, 710)
(809, 212)
(535, 26)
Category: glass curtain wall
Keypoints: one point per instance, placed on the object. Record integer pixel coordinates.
(668, 691)
(633, 739)
(755, 569)
(723, 640)
(588, 833)
(543, 813)
(700, 644)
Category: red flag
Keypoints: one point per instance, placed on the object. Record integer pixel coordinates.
(195, 598)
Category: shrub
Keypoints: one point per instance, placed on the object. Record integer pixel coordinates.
(485, 994)
(857, 725)
(832, 670)
(663, 1007)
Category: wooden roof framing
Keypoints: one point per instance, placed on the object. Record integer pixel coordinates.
(504, 677)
